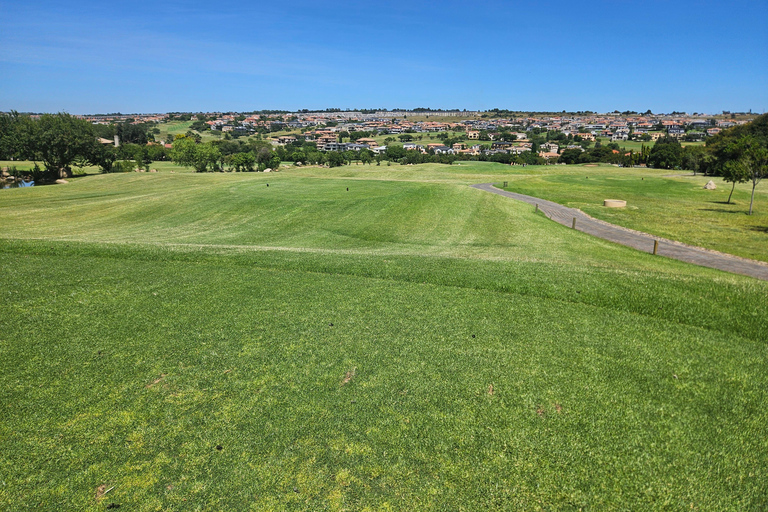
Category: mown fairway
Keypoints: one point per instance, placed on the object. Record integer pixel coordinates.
(210, 342)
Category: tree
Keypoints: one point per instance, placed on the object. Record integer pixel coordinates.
(202, 157)
(60, 139)
(335, 159)
(207, 157)
(667, 153)
(695, 157)
(243, 162)
(752, 163)
(395, 152)
(733, 172)
(183, 151)
(405, 137)
(570, 156)
(104, 156)
(17, 137)
(133, 133)
(366, 156)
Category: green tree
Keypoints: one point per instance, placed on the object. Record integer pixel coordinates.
(366, 156)
(667, 153)
(733, 172)
(183, 151)
(570, 156)
(395, 152)
(60, 138)
(751, 164)
(334, 158)
(207, 157)
(695, 158)
(243, 162)
(104, 156)
(202, 157)
(18, 137)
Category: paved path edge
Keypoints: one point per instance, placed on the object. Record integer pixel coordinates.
(637, 239)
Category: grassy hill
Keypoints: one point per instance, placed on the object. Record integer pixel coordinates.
(207, 341)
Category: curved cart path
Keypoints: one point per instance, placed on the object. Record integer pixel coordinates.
(637, 240)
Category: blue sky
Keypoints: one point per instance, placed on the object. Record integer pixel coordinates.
(97, 57)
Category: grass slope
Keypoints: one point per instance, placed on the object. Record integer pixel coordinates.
(174, 343)
(661, 203)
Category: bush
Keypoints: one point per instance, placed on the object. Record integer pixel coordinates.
(123, 166)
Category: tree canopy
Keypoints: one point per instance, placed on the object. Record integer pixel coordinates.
(667, 153)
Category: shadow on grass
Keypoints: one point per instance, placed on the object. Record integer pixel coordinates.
(759, 229)
(720, 210)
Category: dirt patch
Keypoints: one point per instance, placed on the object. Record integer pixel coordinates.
(558, 407)
(156, 381)
(349, 376)
(540, 411)
(490, 390)
(101, 491)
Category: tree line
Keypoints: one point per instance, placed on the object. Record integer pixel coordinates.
(59, 141)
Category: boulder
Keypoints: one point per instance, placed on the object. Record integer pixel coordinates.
(267, 170)
(153, 170)
(614, 203)
(710, 185)
(62, 182)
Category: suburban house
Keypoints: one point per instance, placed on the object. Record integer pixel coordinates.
(516, 150)
(676, 131)
(550, 147)
(286, 139)
(370, 142)
(411, 146)
(473, 134)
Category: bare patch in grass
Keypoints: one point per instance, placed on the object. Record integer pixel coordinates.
(349, 376)
(101, 491)
(156, 381)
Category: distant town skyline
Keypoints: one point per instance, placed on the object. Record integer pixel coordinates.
(87, 57)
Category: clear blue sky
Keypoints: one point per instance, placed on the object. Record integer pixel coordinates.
(91, 57)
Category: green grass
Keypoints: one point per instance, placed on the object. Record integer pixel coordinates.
(181, 127)
(636, 145)
(664, 203)
(480, 356)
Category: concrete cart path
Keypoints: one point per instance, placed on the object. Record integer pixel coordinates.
(637, 240)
